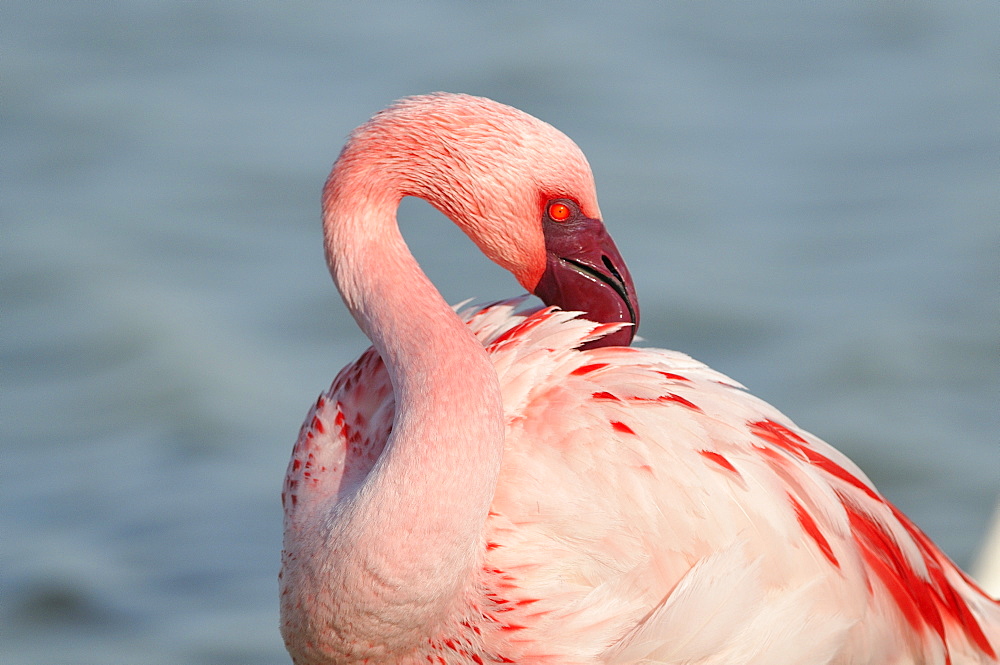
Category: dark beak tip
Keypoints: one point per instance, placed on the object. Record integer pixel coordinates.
(603, 297)
(585, 272)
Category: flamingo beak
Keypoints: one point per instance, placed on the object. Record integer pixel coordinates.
(585, 272)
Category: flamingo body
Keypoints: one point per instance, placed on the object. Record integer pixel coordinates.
(533, 496)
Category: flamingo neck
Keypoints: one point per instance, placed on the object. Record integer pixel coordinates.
(404, 549)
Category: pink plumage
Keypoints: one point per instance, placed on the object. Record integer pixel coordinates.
(503, 485)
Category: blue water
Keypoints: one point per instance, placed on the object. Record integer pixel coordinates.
(806, 196)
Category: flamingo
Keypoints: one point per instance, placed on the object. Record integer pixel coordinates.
(516, 484)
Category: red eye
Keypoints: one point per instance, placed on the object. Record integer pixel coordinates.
(559, 212)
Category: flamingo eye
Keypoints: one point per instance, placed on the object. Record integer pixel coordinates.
(559, 211)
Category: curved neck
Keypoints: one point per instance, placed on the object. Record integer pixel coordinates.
(407, 544)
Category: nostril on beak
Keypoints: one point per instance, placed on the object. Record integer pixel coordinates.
(611, 267)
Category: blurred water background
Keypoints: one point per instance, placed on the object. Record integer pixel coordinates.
(806, 194)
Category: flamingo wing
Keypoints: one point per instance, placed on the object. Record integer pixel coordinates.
(341, 438)
(641, 478)
(650, 510)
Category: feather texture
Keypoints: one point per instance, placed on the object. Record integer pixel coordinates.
(649, 510)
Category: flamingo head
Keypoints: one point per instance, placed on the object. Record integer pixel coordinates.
(518, 187)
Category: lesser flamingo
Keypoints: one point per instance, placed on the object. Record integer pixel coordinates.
(518, 485)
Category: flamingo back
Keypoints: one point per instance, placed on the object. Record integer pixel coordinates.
(650, 510)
